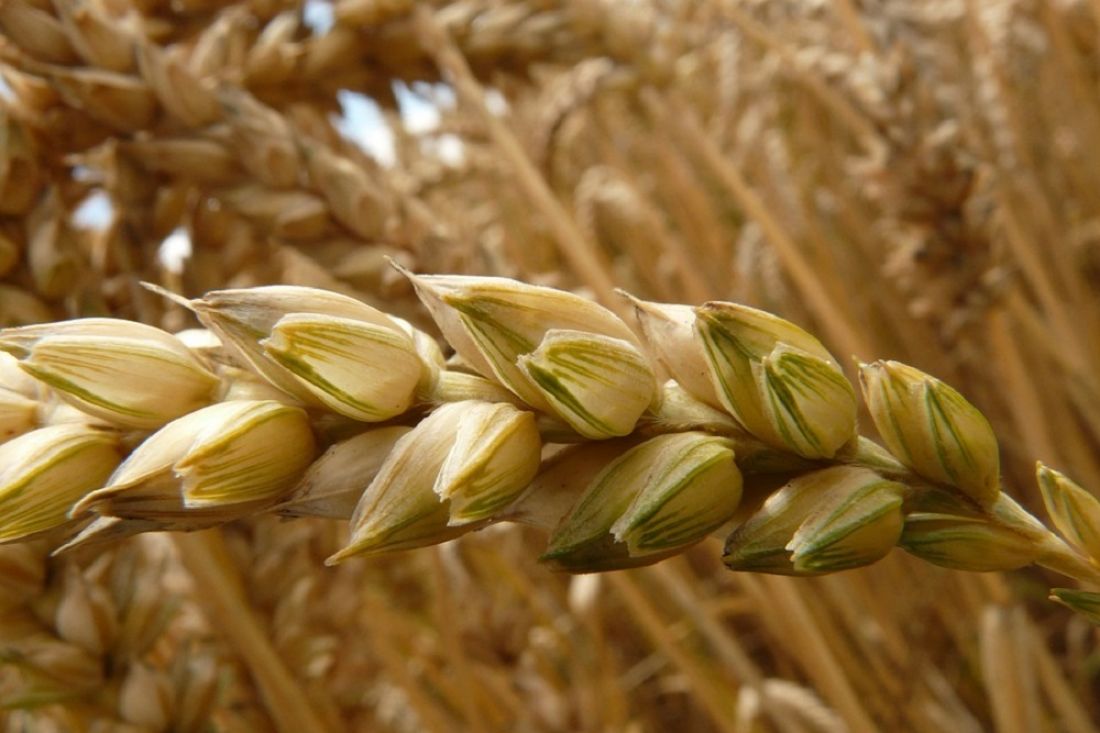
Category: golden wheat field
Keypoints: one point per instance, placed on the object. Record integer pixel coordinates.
(549, 366)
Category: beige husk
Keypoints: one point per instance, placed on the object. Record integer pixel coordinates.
(915, 181)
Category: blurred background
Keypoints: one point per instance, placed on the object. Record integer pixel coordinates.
(908, 180)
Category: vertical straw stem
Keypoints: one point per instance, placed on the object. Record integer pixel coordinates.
(580, 253)
(711, 696)
(219, 589)
(843, 333)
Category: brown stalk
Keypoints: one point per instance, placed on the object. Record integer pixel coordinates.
(449, 624)
(573, 246)
(821, 663)
(676, 580)
(203, 554)
(428, 713)
(711, 695)
(1007, 669)
(849, 17)
(825, 307)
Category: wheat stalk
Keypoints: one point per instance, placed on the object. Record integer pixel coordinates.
(550, 413)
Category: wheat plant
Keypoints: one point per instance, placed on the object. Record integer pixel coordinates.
(907, 181)
(626, 446)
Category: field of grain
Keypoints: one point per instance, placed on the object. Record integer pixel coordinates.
(911, 183)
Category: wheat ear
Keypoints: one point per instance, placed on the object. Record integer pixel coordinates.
(626, 444)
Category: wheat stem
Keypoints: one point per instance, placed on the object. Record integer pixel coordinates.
(572, 244)
(203, 554)
(449, 625)
(691, 134)
(675, 580)
(647, 617)
(849, 16)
